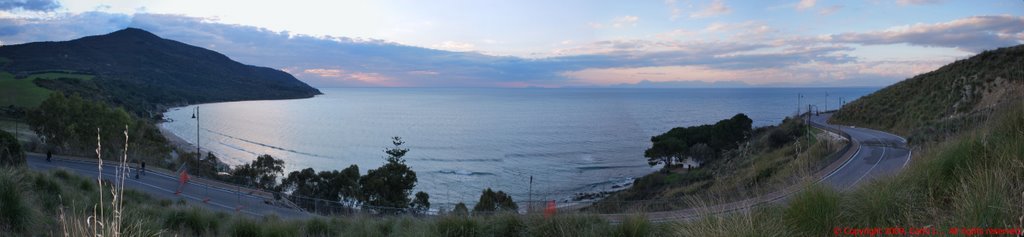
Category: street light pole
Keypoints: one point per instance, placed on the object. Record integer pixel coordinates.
(199, 154)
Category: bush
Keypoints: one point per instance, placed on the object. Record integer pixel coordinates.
(16, 215)
(11, 153)
(813, 211)
(195, 220)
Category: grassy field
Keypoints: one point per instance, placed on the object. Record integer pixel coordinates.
(23, 92)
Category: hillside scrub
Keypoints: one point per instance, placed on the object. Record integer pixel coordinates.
(934, 106)
(970, 180)
(765, 160)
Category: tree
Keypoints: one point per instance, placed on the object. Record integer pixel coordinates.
(491, 202)
(421, 203)
(701, 152)
(391, 184)
(664, 150)
(71, 122)
(11, 153)
(262, 172)
(674, 144)
(460, 210)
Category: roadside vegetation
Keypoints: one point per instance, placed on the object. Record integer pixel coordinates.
(736, 162)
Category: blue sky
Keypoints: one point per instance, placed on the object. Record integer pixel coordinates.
(555, 43)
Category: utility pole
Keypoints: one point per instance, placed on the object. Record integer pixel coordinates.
(808, 125)
(798, 97)
(529, 205)
(826, 102)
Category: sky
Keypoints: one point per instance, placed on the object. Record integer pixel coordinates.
(572, 43)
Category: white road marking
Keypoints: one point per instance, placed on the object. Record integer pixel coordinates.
(872, 167)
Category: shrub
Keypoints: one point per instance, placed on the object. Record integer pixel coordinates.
(813, 211)
(16, 215)
(11, 153)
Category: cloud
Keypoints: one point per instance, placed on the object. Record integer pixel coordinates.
(971, 34)
(717, 7)
(805, 4)
(674, 10)
(29, 5)
(829, 10)
(325, 72)
(454, 46)
(918, 2)
(622, 21)
(618, 22)
(749, 52)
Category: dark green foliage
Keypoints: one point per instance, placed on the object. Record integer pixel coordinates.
(245, 228)
(460, 210)
(16, 213)
(194, 220)
(319, 227)
(814, 211)
(328, 185)
(72, 123)
(789, 130)
(634, 226)
(262, 173)
(421, 203)
(145, 73)
(676, 143)
(491, 202)
(391, 184)
(11, 153)
(458, 226)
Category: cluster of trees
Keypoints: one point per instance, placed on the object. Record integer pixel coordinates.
(490, 202)
(702, 143)
(389, 186)
(71, 124)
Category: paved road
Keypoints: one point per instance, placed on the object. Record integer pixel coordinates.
(875, 154)
(880, 154)
(164, 186)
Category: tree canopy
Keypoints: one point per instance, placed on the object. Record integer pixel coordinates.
(262, 172)
(391, 184)
(491, 202)
(680, 142)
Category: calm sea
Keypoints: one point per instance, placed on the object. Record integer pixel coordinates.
(465, 140)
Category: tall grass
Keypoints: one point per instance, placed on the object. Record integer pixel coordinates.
(16, 213)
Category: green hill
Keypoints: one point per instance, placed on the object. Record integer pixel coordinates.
(943, 102)
(138, 70)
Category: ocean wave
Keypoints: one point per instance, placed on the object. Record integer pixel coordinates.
(604, 167)
(238, 148)
(463, 160)
(464, 172)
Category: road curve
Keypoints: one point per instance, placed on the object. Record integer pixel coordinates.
(873, 154)
(164, 186)
(880, 154)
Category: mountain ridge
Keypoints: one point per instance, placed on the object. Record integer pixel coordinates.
(146, 73)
